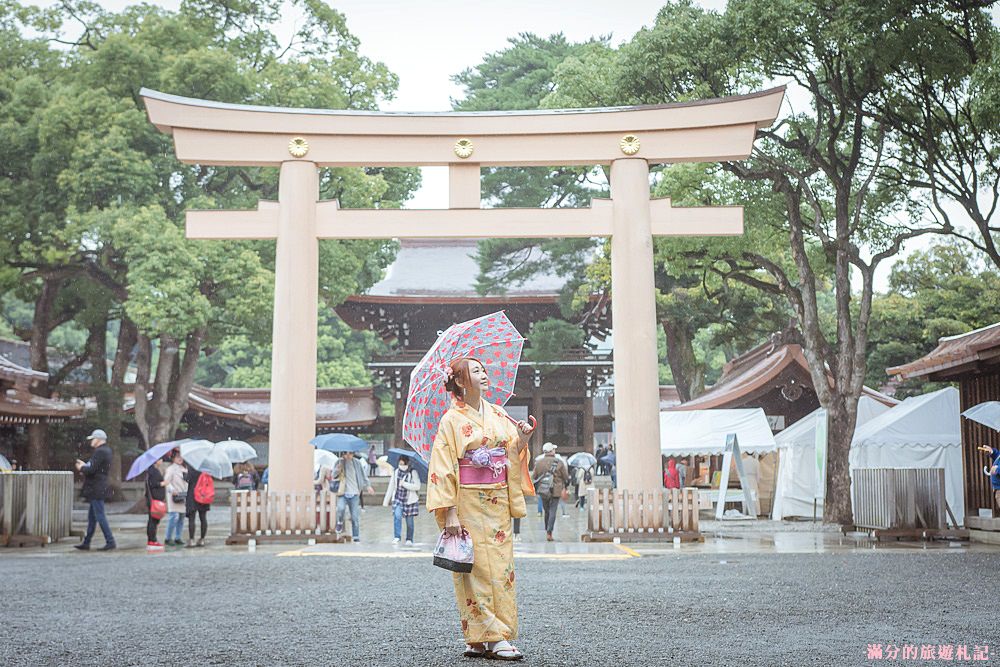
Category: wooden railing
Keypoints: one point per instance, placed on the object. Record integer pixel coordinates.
(267, 515)
(661, 514)
(38, 504)
(899, 498)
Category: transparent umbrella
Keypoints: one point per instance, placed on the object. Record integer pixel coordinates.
(987, 414)
(207, 457)
(237, 450)
(5, 465)
(582, 460)
(323, 458)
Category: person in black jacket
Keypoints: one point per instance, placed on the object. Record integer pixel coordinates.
(193, 507)
(154, 491)
(95, 489)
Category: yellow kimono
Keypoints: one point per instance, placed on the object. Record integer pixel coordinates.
(486, 600)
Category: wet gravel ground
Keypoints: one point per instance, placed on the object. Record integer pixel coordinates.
(228, 607)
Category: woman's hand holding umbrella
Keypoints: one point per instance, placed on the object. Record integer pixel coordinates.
(524, 431)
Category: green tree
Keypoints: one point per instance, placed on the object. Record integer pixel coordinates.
(832, 165)
(102, 200)
(941, 291)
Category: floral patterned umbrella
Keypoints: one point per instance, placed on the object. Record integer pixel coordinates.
(493, 340)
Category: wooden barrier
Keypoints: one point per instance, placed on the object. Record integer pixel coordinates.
(661, 514)
(272, 516)
(35, 507)
(902, 502)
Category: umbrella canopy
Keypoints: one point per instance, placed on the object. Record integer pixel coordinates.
(237, 450)
(207, 457)
(987, 414)
(383, 464)
(493, 340)
(323, 458)
(393, 456)
(5, 465)
(582, 460)
(339, 442)
(152, 455)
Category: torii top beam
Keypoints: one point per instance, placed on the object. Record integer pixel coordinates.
(215, 133)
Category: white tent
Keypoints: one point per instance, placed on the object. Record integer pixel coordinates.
(691, 432)
(921, 432)
(795, 485)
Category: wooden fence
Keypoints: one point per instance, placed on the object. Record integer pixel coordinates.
(661, 514)
(272, 515)
(38, 504)
(899, 498)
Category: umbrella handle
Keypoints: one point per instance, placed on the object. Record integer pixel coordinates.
(531, 418)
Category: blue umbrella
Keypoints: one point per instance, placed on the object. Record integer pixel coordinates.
(416, 461)
(339, 442)
(151, 456)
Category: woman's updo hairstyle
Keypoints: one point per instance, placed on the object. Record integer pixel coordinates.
(460, 376)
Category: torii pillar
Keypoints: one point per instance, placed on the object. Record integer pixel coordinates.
(301, 141)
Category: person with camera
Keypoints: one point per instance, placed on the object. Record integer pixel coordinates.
(95, 490)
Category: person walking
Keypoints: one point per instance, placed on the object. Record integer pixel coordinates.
(155, 490)
(372, 461)
(353, 481)
(551, 479)
(176, 494)
(95, 490)
(198, 502)
(477, 481)
(580, 480)
(404, 495)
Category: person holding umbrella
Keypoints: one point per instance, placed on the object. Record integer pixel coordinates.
(154, 491)
(353, 480)
(195, 506)
(404, 494)
(176, 495)
(477, 482)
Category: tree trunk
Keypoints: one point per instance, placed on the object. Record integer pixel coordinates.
(689, 375)
(159, 415)
(840, 431)
(108, 402)
(38, 434)
(38, 446)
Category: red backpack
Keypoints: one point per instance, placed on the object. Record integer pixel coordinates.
(204, 490)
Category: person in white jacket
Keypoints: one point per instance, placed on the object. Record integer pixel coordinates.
(404, 496)
(176, 493)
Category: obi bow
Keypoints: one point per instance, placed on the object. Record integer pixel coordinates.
(495, 459)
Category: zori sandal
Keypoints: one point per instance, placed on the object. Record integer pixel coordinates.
(473, 652)
(503, 650)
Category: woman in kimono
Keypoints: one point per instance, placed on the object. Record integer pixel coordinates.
(477, 481)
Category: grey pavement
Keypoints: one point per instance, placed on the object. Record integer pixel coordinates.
(744, 597)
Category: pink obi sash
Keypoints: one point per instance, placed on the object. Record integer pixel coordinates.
(483, 466)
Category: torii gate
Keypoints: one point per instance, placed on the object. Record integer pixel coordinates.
(300, 141)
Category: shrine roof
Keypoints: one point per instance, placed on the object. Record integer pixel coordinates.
(19, 406)
(758, 370)
(335, 408)
(446, 270)
(955, 352)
